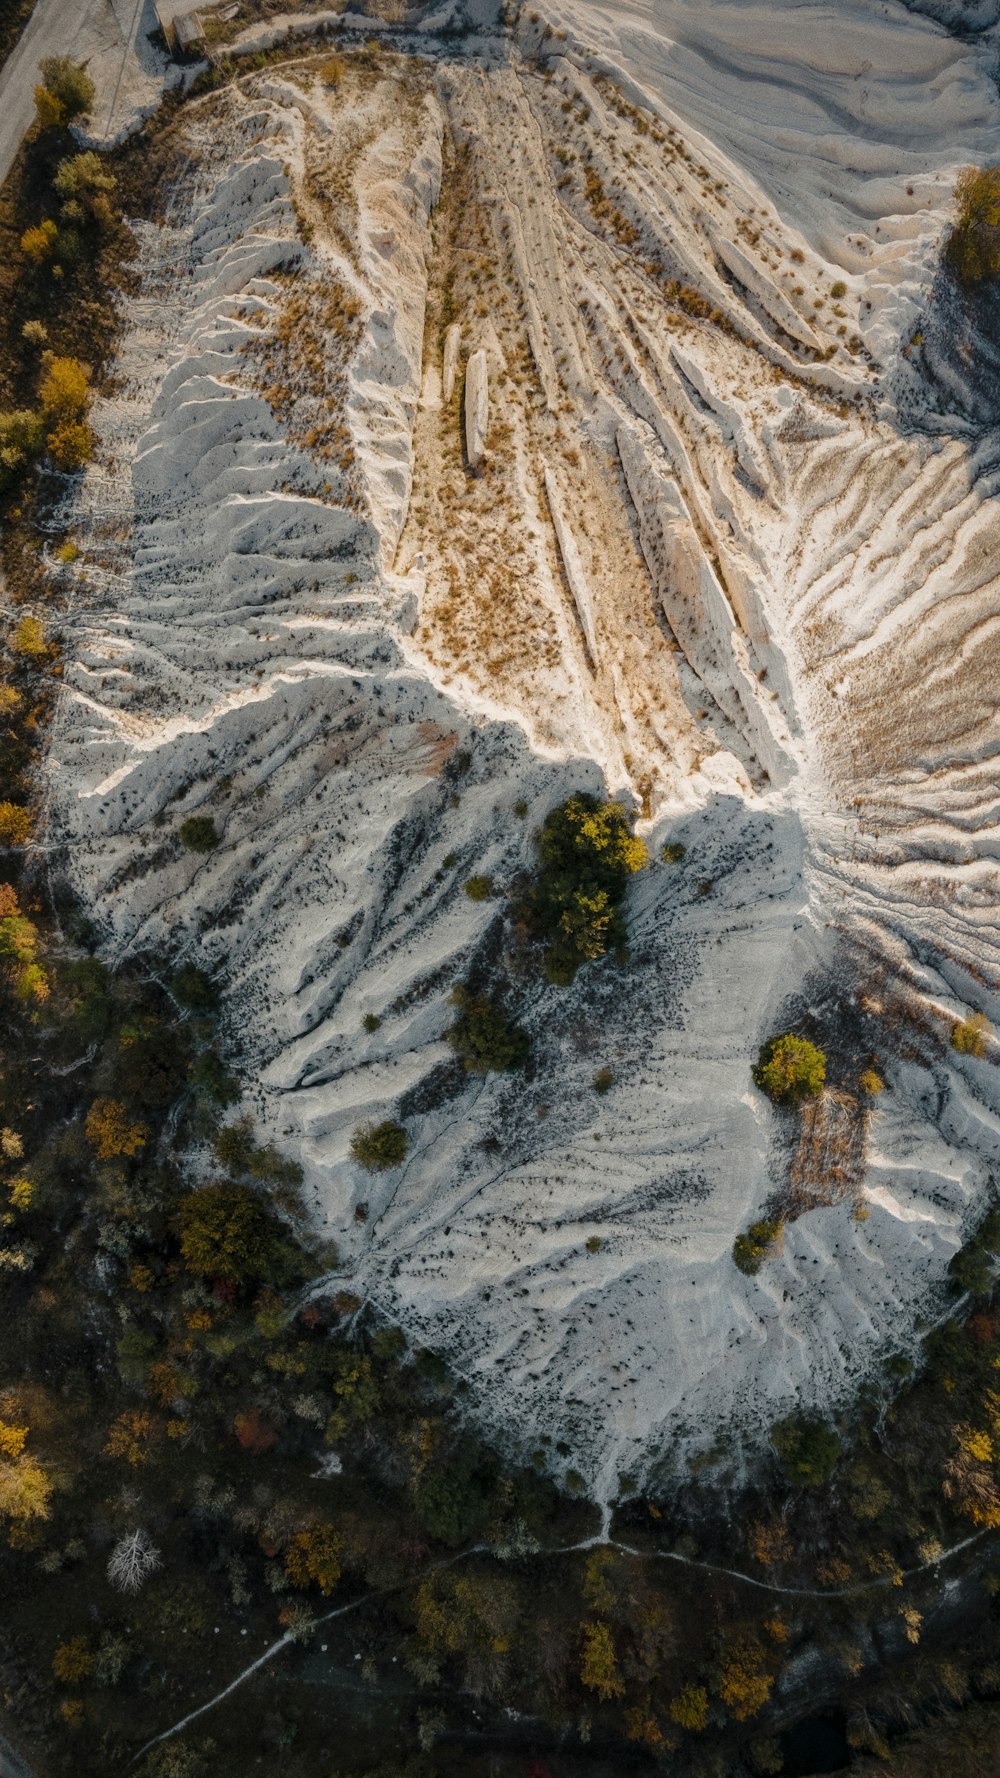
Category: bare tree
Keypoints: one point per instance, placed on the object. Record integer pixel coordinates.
(132, 1561)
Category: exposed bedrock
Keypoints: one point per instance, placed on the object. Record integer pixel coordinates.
(702, 563)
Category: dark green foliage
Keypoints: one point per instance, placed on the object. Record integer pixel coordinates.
(752, 1248)
(972, 1269)
(194, 990)
(673, 852)
(241, 1157)
(483, 1035)
(479, 888)
(379, 1147)
(371, 1022)
(451, 1503)
(604, 1080)
(227, 1232)
(198, 833)
(587, 852)
(790, 1069)
(212, 1077)
(807, 1448)
(152, 1061)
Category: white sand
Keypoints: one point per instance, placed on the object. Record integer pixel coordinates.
(817, 724)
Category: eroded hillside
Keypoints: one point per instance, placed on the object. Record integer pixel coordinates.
(692, 526)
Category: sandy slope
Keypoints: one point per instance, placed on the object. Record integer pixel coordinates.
(728, 550)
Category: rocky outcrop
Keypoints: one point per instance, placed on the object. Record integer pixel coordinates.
(477, 408)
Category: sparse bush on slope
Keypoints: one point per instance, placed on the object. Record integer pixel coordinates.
(807, 1449)
(752, 1248)
(379, 1147)
(483, 1035)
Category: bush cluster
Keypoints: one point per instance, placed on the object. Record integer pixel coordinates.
(483, 1035)
(587, 851)
(752, 1248)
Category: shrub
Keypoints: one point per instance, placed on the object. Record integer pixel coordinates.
(969, 1036)
(752, 1248)
(838, 289)
(332, 72)
(871, 1083)
(807, 1448)
(39, 243)
(227, 1232)
(29, 638)
(379, 1147)
(66, 91)
(479, 888)
(587, 852)
(85, 185)
(673, 852)
(604, 1080)
(790, 1069)
(371, 1022)
(973, 247)
(483, 1035)
(198, 833)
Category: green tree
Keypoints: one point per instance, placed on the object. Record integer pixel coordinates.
(379, 1147)
(227, 1232)
(587, 852)
(807, 1448)
(483, 1035)
(790, 1069)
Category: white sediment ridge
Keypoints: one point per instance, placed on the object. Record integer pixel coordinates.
(729, 551)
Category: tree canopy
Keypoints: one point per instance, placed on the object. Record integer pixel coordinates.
(587, 852)
(790, 1069)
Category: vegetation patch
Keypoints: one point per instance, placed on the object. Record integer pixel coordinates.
(485, 1038)
(973, 247)
(790, 1069)
(587, 851)
(379, 1147)
(752, 1248)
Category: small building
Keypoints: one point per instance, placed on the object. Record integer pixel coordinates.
(181, 26)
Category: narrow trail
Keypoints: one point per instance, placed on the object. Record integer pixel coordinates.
(601, 1539)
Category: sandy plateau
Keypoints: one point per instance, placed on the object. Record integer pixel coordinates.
(729, 550)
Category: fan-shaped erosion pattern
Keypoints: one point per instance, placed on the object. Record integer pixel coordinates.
(724, 548)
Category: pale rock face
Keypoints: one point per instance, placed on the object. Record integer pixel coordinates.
(452, 348)
(747, 581)
(477, 407)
